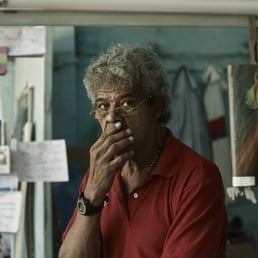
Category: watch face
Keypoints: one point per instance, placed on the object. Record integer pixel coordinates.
(81, 206)
(85, 208)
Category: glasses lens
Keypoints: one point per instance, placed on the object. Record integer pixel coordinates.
(124, 110)
(121, 111)
(100, 114)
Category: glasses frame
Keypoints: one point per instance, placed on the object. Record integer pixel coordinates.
(116, 110)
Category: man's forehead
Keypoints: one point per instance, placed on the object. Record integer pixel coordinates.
(116, 91)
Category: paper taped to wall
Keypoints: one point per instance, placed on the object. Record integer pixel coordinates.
(10, 208)
(24, 41)
(4, 159)
(40, 161)
(8, 182)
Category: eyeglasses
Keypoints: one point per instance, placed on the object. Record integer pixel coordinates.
(126, 109)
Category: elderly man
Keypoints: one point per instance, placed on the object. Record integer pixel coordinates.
(145, 194)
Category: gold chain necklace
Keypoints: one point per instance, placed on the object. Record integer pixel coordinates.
(157, 155)
(154, 161)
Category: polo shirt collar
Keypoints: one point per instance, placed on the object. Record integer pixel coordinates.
(168, 161)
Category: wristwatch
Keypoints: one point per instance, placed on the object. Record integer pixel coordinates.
(86, 208)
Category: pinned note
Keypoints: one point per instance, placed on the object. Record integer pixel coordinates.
(4, 159)
(24, 41)
(8, 182)
(10, 209)
(40, 161)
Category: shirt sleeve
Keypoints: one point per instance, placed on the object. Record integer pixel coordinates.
(199, 227)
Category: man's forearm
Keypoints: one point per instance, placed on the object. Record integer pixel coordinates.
(83, 239)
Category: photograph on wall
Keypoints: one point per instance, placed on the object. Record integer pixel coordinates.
(243, 112)
(6, 245)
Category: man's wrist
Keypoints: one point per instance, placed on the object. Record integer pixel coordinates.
(86, 208)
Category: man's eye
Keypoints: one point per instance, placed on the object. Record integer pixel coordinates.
(128, 103)
(102, 106)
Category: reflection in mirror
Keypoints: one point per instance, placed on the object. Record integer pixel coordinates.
(194, 48)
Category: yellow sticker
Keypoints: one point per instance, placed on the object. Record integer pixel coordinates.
(3, 58)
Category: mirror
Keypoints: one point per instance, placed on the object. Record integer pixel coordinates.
(73, 48)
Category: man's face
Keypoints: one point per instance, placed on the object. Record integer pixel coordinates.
(141, 120)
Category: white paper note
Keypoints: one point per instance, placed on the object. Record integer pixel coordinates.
(24, 41)
(8, 182)
(41, 161)
(10, 209)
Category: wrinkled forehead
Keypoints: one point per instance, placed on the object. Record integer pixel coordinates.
(114, 91)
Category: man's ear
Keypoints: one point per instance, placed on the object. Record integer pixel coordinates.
(157, 107)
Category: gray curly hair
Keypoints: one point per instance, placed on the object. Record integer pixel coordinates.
(130, 66)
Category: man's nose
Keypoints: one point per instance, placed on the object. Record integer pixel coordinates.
(112, 116)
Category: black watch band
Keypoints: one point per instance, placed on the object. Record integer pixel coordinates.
(86, 208)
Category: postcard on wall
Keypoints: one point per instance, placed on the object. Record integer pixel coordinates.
(243, 111)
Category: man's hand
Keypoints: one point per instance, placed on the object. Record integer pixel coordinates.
(107, 155)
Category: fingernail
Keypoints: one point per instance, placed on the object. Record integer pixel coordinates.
(128, 130)
(117, 124)
(131, 138)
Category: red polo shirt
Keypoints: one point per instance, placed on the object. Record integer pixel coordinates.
(177, 212)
